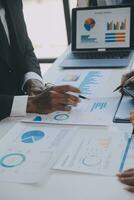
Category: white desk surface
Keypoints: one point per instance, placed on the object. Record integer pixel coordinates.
(67, 186)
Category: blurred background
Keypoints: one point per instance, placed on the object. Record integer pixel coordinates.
(48, 23)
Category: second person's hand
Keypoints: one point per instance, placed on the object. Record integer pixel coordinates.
(127, 77)
(127, 177)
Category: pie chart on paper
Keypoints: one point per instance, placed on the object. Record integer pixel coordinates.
(32, 136)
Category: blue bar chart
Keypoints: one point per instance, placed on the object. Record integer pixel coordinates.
(91, 80)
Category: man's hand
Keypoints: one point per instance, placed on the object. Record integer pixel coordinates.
(34, 87)
(127, 177)
(53, 99)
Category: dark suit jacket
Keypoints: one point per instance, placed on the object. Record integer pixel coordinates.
(94, 2)
(12, 74)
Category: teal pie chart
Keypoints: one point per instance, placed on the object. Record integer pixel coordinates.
(32, 136)
(12, 160)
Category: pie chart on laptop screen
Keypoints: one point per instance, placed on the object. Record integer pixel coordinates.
(89, 24)
(32, 136)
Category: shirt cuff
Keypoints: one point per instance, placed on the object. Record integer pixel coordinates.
(31, 75)
(19, 106)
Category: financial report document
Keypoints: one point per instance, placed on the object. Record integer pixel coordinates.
(91, 83)
(94, 151)
(98, 110)
(27, 152)
(95, 111)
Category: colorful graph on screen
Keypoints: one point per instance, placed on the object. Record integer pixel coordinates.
(117, 25)
(89, 23)
(115, 37)
(116, 31)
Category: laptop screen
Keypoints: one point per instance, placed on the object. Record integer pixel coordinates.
(101, 28)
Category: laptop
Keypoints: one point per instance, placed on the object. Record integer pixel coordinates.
(102, 37)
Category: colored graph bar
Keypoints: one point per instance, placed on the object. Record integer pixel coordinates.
(98, 105)
(115, 37)
(125, 155)
(93, 108)
(103, 105)
(117, 25)
(112, 37)
(114, 40)
(90, 80)
(120, 33)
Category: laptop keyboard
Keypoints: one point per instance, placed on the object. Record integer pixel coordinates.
(101, 55)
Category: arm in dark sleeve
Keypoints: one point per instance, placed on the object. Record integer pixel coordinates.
(5, 105)
(30, 59)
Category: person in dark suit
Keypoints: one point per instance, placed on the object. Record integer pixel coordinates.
(20, 71)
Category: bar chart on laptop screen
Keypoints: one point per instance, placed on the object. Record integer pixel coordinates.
(116, 31)
(103, 28)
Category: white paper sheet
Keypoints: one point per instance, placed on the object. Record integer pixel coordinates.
(91, 82)
(97, 111)
(28, 151)
(94, 151)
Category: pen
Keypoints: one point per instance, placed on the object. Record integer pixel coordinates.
(119, 87)
(83, 97)
(80, 96)
(131, 79)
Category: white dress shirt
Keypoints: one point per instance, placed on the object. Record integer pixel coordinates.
(18, 110)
